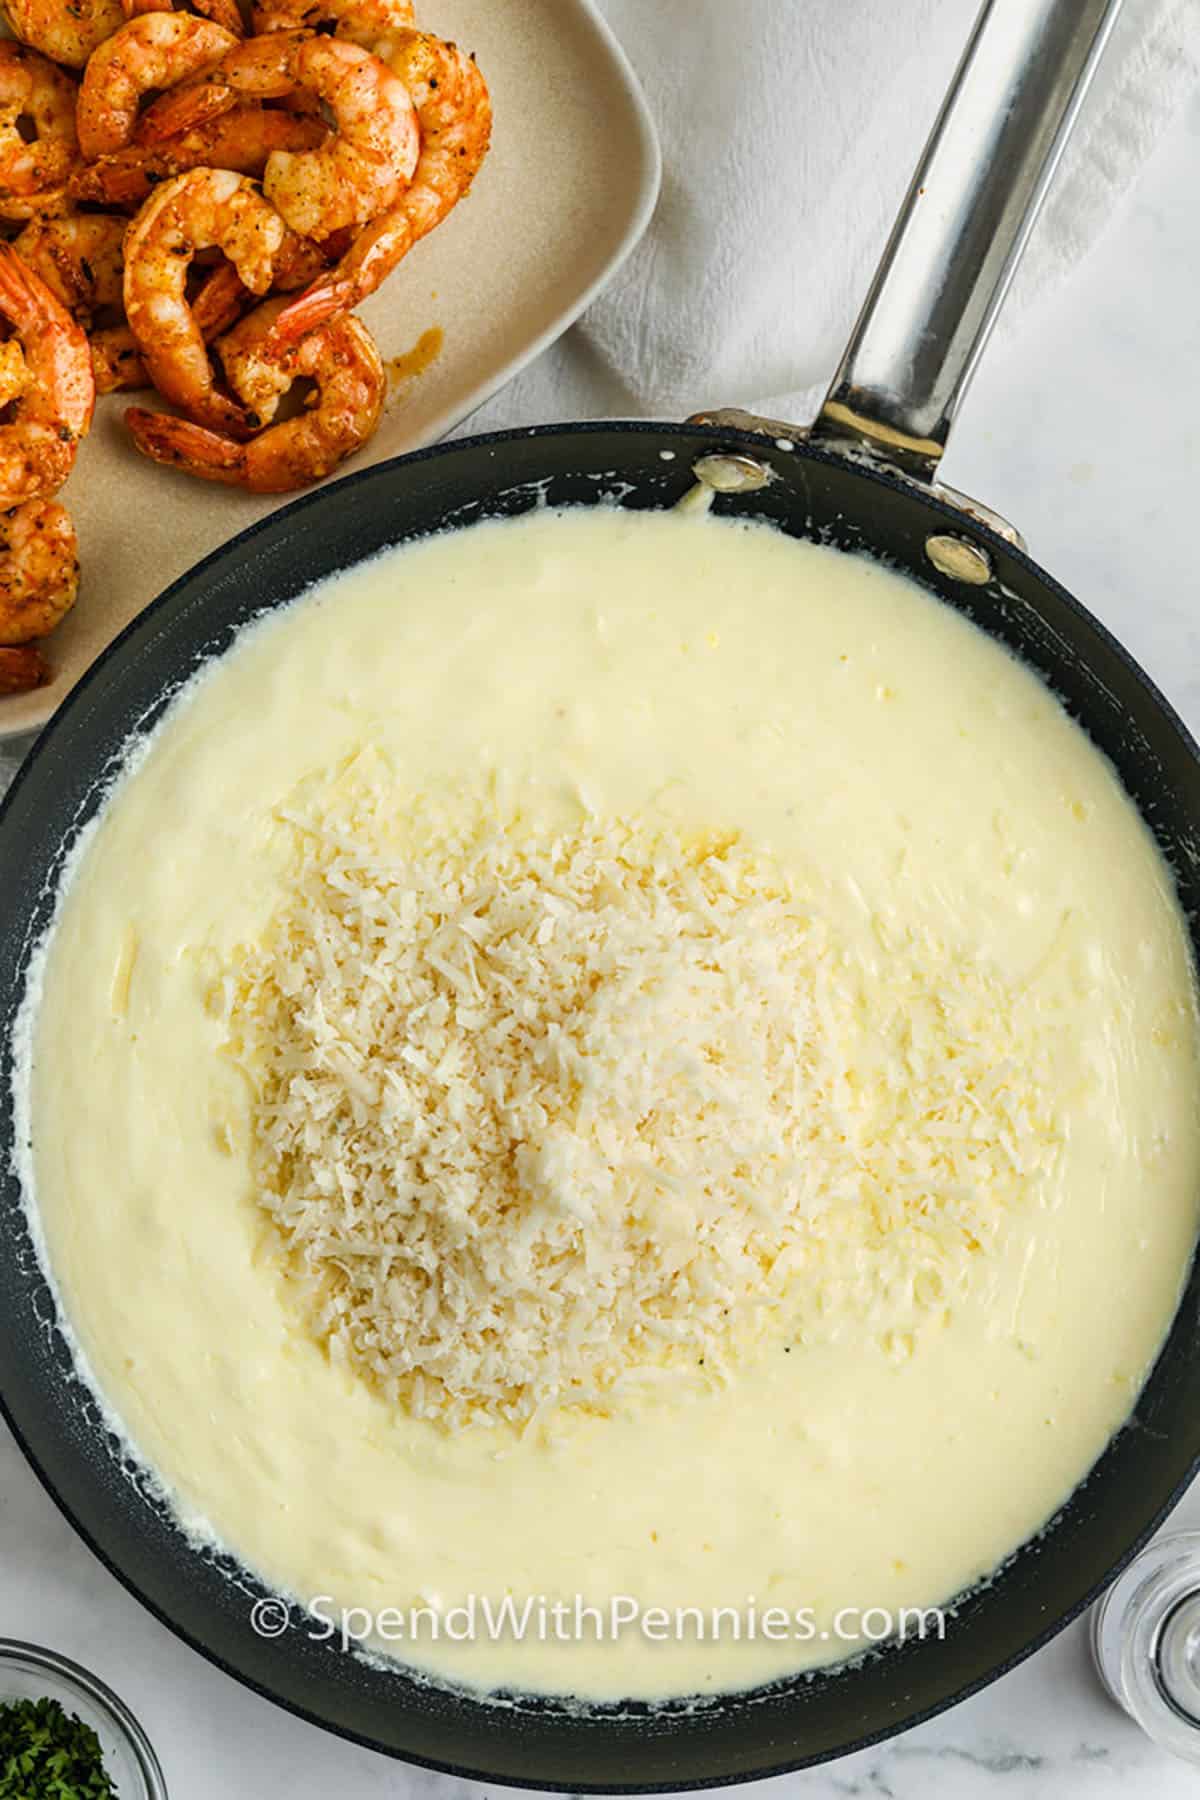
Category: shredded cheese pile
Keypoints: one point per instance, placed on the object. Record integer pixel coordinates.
(536, 1117)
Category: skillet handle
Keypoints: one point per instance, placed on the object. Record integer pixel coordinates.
(964, 224)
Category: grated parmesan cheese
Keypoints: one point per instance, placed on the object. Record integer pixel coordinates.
(535, 1116)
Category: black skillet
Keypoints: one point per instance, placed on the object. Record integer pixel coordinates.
(861, 480)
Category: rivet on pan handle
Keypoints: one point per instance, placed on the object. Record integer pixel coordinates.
(785, 437)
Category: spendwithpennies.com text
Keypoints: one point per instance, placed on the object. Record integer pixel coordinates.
(535, 1618)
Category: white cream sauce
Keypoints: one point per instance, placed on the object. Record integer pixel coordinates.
(720, 676)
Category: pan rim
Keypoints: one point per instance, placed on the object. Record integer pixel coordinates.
(82, 694)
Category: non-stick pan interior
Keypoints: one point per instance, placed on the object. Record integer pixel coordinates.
(59, 1423)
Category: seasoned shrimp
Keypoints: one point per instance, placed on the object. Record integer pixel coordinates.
(454, 112)
(79, 256)
(241, 140)
(371, 155)
(361, 21)
(39, 570)
(14, 372)
(204, 209)
(152, 50)
(222, 12)
(65, 30)
(344, 363)
(38, 98)
(116, 358)
(260, 385)
(216, 308)
(22, 667)
(220, 301)
(117, 364)
(49, 417)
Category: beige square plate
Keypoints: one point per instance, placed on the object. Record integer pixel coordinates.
(564, 196)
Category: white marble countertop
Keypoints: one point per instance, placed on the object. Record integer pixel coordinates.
(1084, 434)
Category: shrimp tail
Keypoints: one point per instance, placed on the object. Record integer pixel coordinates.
(323, 301)
(179, 444)
(372, 257)
(117, 180)
(116, 360)
(22, 668)
(223, 12)
(220, 302)
(226, 13)
(184, 110)
(24, 295)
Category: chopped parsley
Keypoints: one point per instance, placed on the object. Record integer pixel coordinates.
(48, 1754)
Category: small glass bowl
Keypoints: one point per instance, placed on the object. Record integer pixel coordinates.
(28, 1673)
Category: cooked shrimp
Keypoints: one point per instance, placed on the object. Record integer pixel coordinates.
(38, 98)
(371, 155)
(241, 140)
(222, 12)
(152, 50)
(39, 570)
(14, 372)
(361, 21)
(49, 417)
(220, 301)
(65, 30)
(350, 385)
(116, 358)
(117, 365)
(204, 209)
(258, 384)
(454, 112)
(22, 667)
(79, 257)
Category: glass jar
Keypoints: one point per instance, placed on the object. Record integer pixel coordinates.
(1146, 1641)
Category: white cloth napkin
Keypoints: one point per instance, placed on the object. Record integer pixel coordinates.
(790, 129)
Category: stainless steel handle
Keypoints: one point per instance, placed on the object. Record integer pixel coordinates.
(964, 224)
